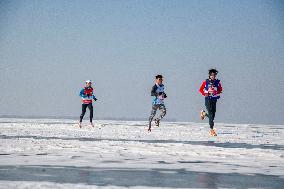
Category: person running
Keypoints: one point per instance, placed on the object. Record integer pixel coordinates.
(211, 89)
(158, 102)
(87, 101)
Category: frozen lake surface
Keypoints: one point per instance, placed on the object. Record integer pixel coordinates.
(45, 153)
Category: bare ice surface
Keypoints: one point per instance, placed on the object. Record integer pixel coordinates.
(121, 154)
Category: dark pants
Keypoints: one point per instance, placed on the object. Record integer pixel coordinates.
(211, 109)
(84, 107)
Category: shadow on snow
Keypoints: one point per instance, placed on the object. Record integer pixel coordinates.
(204, 143)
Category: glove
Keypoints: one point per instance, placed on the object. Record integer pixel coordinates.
(165, 96)
(95, 99)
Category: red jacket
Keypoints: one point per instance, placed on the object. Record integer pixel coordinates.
(211, 90)
(87, 95)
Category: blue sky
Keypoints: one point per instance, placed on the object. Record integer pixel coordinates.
(49, 48)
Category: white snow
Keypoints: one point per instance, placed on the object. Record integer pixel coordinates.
(44, 153)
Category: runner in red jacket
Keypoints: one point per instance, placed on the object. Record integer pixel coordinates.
(211, 89)
(87, 96)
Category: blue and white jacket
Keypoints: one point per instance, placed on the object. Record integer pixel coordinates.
(158, 93)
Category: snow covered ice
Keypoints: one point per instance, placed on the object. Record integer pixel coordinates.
(49, 153)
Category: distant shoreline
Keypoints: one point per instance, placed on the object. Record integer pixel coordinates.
(76, 118)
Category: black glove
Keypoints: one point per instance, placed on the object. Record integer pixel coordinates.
(165, 96)
(95, 99)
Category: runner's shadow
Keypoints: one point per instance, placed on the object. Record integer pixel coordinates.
(203, 143)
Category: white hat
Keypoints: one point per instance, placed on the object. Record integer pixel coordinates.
(89, 81)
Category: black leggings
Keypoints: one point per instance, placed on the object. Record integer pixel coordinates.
(211, 108)
(84, 107)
